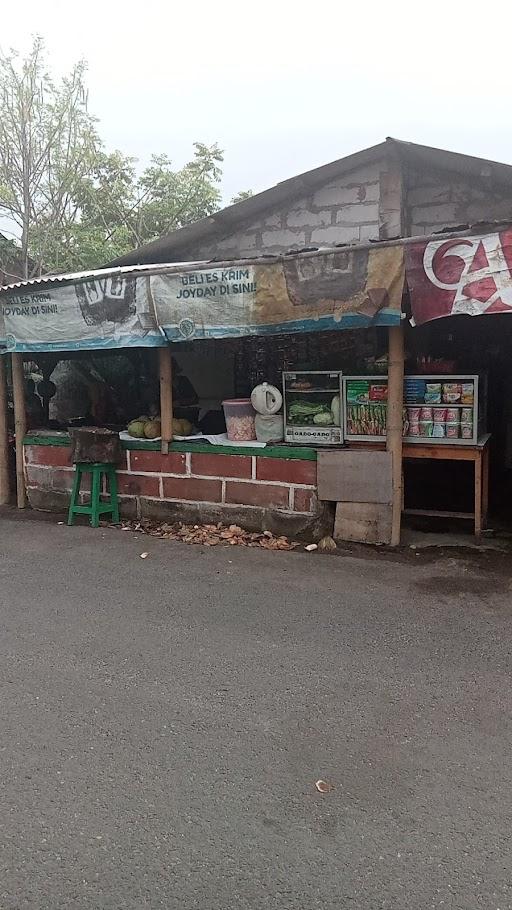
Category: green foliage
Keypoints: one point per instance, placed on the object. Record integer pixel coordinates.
(73, 204)
(48, 140)
(243, 194)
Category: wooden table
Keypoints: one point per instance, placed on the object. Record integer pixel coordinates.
(479, 455)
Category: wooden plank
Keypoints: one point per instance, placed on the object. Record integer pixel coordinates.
(478, 495)
(345, 476)
(4, 437)
(445, 453)
(439, 513)
(165, 363)
(485, 486)
(394, 440)
(20, 426)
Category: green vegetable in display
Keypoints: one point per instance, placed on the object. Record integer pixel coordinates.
(325, 419)
(306, 409)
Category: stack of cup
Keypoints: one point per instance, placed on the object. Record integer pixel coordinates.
(413, 416)
(426, 422)
(452, 423)
(439, 423)
(466, 423)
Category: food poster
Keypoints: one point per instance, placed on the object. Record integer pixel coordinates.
(366, 407)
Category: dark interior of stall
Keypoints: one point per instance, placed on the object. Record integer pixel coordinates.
(125, 384)
(483, 346)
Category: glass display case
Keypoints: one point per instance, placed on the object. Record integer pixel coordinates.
(438, 409)
(312, 407)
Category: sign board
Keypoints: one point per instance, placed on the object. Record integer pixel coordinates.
(335, 289)
(465, 275)
(110, 312)
(342, 288)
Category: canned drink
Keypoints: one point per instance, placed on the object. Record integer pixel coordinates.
(452, 430)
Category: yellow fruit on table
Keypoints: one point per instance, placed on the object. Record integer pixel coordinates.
(152, 429)
(136, 429)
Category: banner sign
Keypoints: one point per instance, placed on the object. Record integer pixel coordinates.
(343, 288)
(109, 312)
(466, 275)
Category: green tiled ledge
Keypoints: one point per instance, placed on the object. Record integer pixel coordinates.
(303, 453)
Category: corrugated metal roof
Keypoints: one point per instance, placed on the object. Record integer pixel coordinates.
(234, 217)
(160, 268)
(73, 277)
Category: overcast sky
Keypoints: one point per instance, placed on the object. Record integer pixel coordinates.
(282, 86)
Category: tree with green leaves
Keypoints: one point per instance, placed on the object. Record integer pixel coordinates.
(48, 142)
(69, 203)
(120, 210)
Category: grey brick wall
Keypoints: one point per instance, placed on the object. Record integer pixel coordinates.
(348, 210)
(436, 200)
(367, 204)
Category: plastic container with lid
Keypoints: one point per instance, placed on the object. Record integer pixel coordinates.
(239, 414)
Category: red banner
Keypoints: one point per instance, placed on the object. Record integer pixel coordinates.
(470, 275)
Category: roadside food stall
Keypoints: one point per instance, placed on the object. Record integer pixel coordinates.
(347, 420)
(165, 307)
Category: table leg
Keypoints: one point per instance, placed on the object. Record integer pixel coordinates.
(485, 486)
(478, 494)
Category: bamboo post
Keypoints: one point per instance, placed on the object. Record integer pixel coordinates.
(395, 425)
(20, 426)
(165, 363)
(4, 437)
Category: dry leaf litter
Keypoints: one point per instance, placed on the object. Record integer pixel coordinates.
(209, 535)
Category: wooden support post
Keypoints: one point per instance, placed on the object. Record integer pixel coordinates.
(20, 426)
(394, 425)
(165, 361)
(4, 437)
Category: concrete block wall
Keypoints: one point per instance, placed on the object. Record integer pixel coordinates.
(435, 200)
(244, 488)
(350, 209)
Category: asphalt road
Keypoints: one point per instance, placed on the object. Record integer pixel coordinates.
(163, 723)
